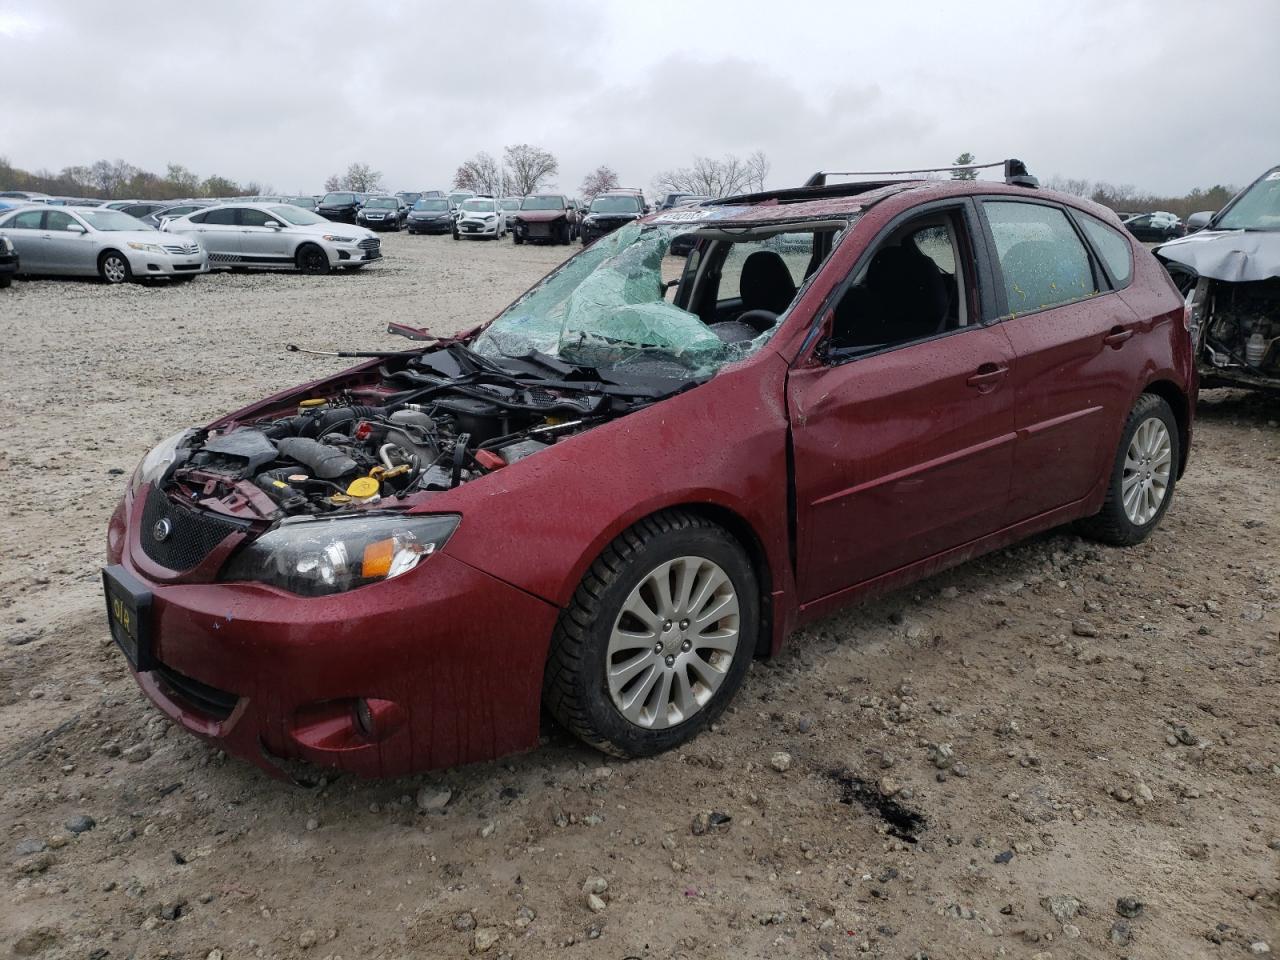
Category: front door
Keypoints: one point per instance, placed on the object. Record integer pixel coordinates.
(903, 424)
(70, 249)
(26, 232)
(261, 243)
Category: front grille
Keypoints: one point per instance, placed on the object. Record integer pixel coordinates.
(214, 703)
(371, 243)
(181, 249)
(191, 535)
(538, 229)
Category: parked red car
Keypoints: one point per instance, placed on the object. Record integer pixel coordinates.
(617, 493)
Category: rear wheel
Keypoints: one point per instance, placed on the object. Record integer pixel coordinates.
(5, 281)
(1142, 477)
(312, 259)
(113, 267)
(657, 638)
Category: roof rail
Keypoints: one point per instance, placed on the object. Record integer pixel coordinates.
(1015, 173)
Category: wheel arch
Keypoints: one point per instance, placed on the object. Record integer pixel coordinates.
(1178, 402)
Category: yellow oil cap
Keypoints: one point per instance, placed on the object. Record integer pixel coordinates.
(313, 402)
(362, 487)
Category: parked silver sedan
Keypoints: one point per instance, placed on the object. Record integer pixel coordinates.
(276, 236)
(93, 241)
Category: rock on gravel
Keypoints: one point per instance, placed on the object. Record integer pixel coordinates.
(434, 799)
(780, 761)
(80, 823)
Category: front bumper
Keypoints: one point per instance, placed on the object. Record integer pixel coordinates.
(357, 251)
(391, 223)
(449, 660)
(437, 225)
(147, 264)
(477, 228)
(338, 216)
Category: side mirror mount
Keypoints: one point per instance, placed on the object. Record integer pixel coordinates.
(1200, 220)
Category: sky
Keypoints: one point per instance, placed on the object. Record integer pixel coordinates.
(1163, 95)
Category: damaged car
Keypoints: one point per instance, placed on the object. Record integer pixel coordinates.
(545, 217)
(1229, 270)
(612, 497)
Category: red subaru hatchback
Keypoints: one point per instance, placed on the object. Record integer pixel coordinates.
(647, 470)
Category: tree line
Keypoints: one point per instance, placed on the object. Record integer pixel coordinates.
(525, 168)
(117, 179)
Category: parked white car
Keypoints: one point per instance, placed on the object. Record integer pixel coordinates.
(276, 236)
(480, 217)
(95, 241)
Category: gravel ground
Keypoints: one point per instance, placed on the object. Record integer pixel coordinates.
(987, 764)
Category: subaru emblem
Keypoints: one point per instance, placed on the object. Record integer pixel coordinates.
(160, 532)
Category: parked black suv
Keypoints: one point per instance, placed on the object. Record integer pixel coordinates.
(609, 211)
(341, 206)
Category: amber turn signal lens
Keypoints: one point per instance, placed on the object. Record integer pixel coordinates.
(377, 558)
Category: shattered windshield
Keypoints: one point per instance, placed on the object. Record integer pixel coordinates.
(608, 307)
(1258, 207)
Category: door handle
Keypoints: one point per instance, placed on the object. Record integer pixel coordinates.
(1117, 336)
(987, 377)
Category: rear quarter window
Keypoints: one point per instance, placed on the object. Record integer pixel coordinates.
(1111, 246)
(1042, 259)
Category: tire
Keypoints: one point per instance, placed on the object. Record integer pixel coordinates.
(5, 281)
(457, 235)
(312, 259)
(565, 233)
(664, 548)
(113, 267)
(517, 239)
(1146, 466)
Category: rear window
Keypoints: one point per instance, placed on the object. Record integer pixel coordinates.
(1042, 259)
(220, 215)
(1112, 247)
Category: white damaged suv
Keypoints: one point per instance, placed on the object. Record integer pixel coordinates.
(276, 236)
(480, 217)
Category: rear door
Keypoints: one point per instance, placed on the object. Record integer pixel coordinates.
(218, 230)
(903, 427)
(26, 231)
(1073, 337)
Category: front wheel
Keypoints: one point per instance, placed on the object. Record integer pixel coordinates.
(657, 639)
(113, 267)
(516, 238)
(311, 259)
(565, 233)
(1142, 477)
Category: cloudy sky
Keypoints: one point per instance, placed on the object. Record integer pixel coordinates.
(1165, 95)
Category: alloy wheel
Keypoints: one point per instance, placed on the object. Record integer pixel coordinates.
(1148, 466)
(115, 269)
(673, 642)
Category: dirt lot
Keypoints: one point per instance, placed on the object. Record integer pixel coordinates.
(1074, 724)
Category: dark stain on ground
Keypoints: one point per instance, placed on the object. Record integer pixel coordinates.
(903, 822)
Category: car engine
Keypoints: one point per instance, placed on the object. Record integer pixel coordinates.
(1242, 325)
(427, 423)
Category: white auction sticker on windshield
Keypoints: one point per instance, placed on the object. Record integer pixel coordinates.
(684, 216)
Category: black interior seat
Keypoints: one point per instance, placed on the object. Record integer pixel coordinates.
(904, 297)
(766, 286)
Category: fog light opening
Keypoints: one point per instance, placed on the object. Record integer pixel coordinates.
(364, 718)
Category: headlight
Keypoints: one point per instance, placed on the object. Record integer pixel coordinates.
(333, 238)
(146, 247)
(155, 463)
(313, 558)
(5, 245)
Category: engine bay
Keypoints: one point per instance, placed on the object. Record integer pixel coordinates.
(418, 422)
(1241, 326)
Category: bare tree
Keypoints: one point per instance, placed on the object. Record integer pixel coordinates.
(715, 178)
(111, 177)
(596, 182)
(359, 177)
(480, 174)
(758, 168)
(964, 160)
(529, 167)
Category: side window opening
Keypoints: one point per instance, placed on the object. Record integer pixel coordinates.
(916, 285)
(1042, 259)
